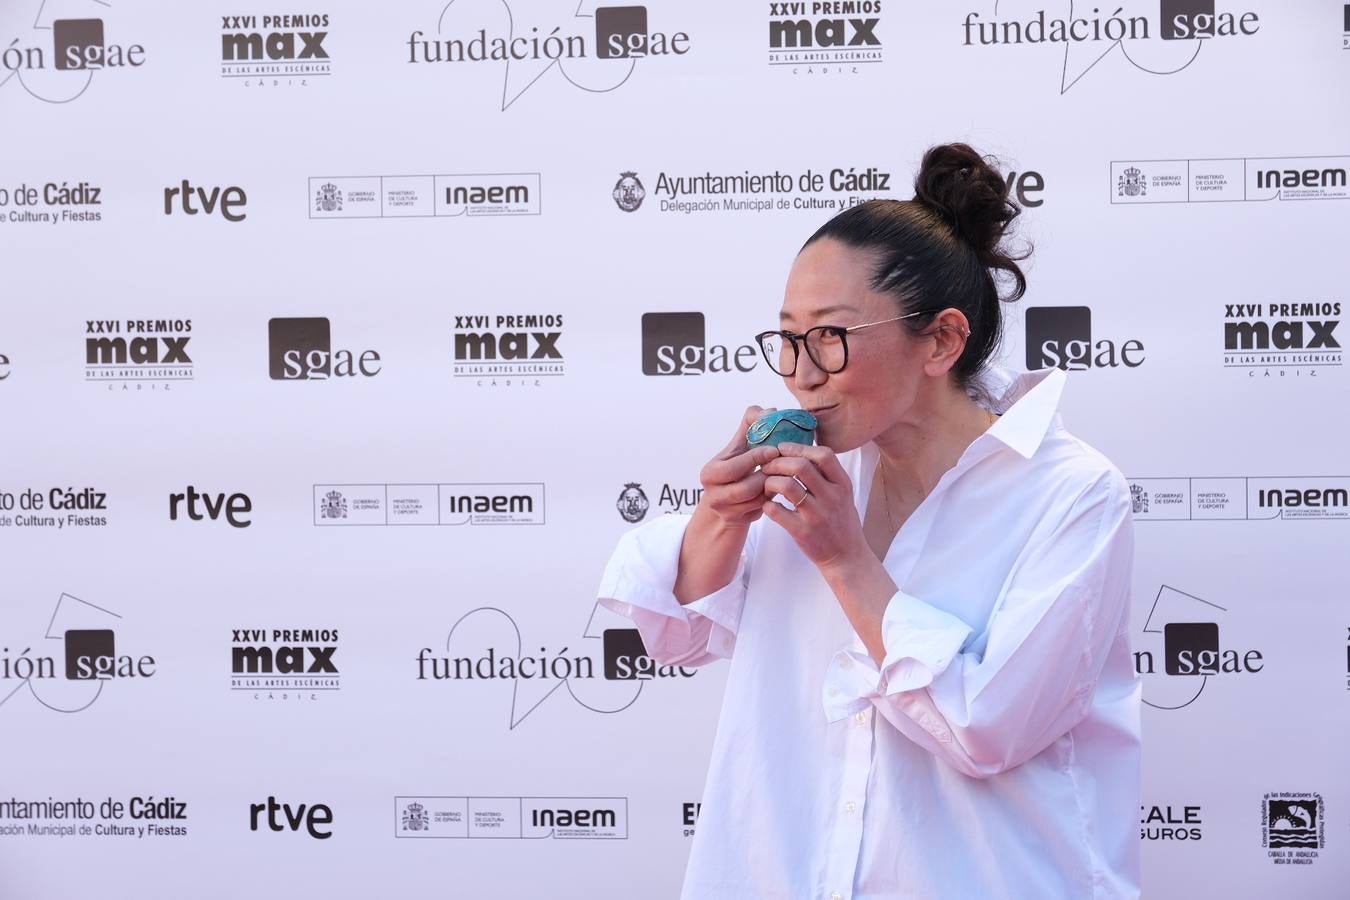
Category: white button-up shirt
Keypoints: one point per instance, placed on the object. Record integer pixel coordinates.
(994, 753)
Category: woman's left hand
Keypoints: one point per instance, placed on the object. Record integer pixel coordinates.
(825, 523)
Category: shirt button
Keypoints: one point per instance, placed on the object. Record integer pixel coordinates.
(862, 718)
(833, 691)
(836, 896)
(851, 807)
(846, 662)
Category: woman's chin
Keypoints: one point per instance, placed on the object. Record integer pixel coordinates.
(835, 440)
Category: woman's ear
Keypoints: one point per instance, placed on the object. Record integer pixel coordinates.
(949, 331)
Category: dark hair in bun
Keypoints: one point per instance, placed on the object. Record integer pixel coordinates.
(943, 249)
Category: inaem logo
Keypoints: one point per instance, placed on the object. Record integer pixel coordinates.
(1061, 337)
(4, 367)
(282, 816)
(302, 349)
(676, 344)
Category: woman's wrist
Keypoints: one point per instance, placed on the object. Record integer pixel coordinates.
(850, 567)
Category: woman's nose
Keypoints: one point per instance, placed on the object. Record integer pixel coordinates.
(808, 374)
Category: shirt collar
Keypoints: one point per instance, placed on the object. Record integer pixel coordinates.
(1027, 408)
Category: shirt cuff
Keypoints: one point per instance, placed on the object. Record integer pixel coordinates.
(921, 642)
(639, 584)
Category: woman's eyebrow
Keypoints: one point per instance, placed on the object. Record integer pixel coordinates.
(786, 316)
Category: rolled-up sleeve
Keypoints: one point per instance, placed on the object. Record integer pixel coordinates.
(1033, 676)
(639, 584)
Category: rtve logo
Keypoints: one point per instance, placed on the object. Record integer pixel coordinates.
(302, 349)
(676, 344)
(292, 818)
(227, 200)
(210, 506)
(1061, 337)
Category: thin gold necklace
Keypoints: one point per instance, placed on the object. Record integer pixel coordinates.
(885, 496)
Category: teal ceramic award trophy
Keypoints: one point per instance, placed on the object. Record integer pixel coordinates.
(795, 426)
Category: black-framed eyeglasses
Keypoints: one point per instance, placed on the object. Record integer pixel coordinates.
(827, 345)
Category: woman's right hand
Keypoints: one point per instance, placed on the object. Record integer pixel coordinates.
(733, 488)
(733, 497)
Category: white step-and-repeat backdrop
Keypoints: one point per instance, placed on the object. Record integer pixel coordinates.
(339, 343)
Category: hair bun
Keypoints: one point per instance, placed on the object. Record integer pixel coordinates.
(972, 196)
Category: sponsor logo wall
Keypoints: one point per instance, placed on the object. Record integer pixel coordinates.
(321, 420)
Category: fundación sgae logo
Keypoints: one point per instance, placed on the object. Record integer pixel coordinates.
(528, 48)
(1158, 37)
(57, 59)
(69, 674)
(604, 673)
(1191, 652)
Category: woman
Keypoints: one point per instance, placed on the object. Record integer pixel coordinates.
(931, 691)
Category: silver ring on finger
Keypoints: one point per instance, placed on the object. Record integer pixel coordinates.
(806, 492)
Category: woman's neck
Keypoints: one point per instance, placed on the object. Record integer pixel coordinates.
(916, 452)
